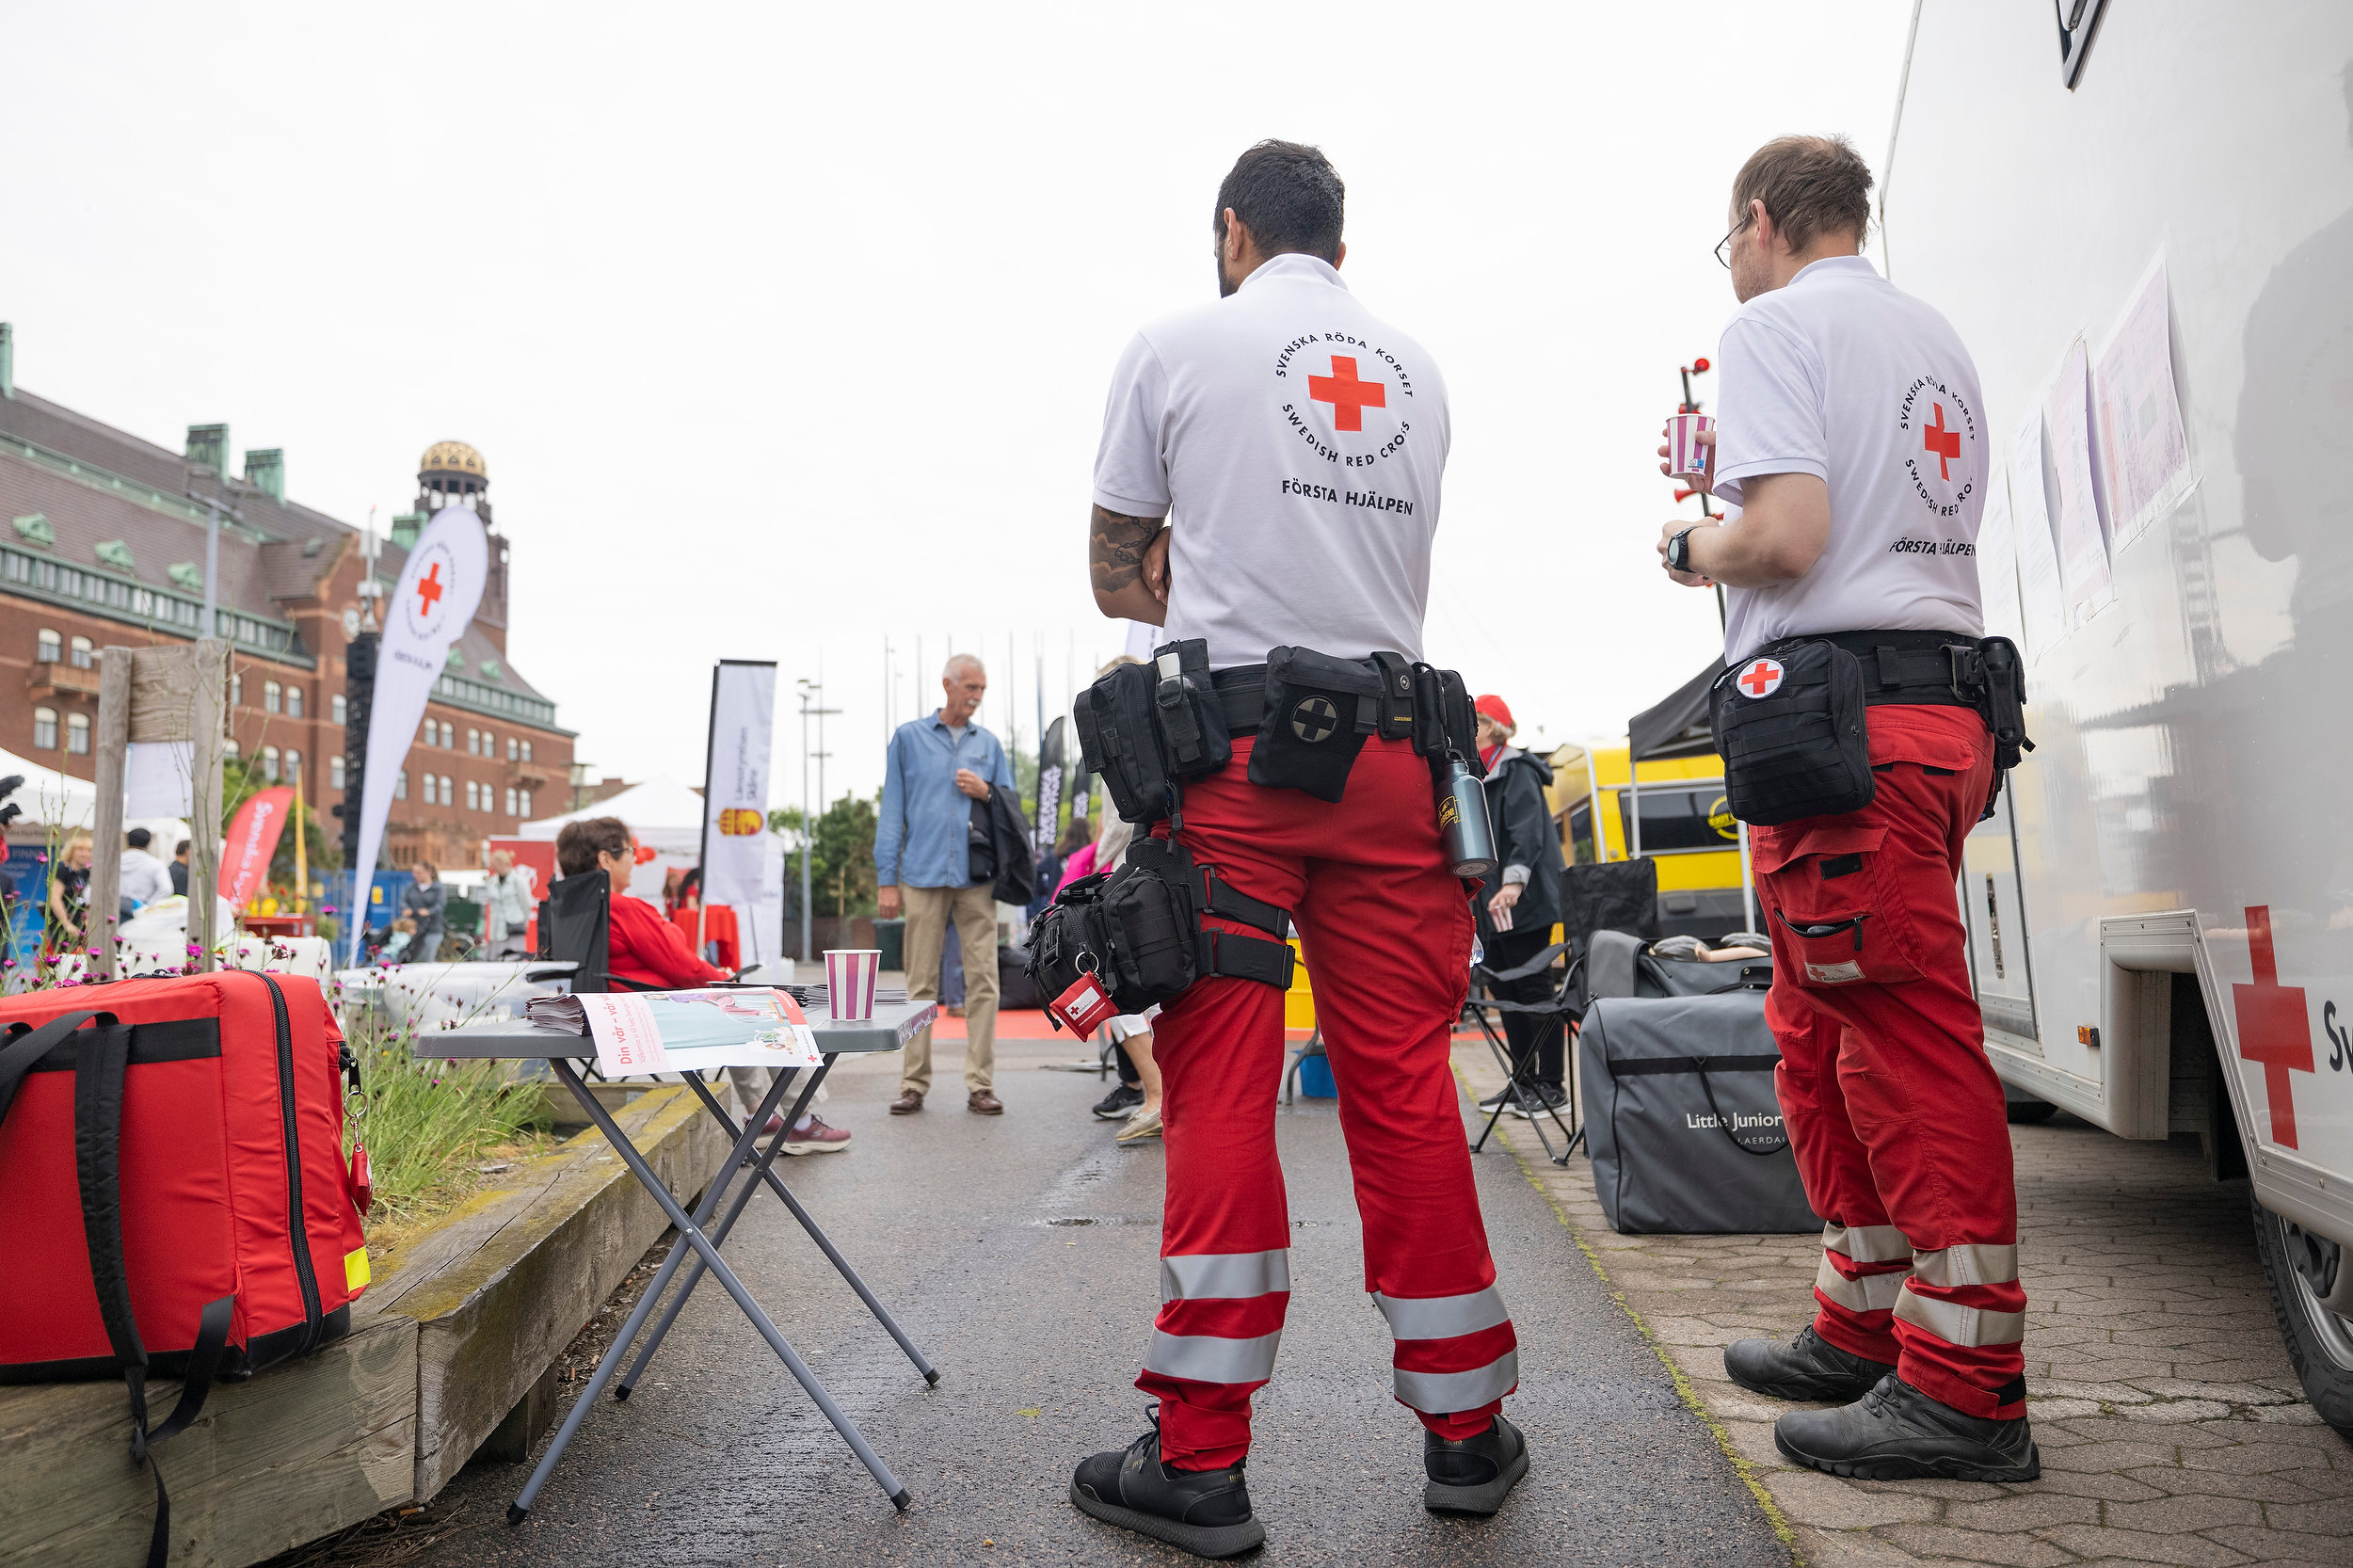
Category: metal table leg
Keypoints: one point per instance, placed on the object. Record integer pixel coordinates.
(825, 1243)
(691, 1234)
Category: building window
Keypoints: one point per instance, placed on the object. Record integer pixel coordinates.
(84, 656)
(449, 736)
(236, 691)
(510, 800)
(293, 766)
(400, 785)
(449, 790)
(526, 751)
(337, 709)
(78, 734)
(270, 696)
(511, 748)
(525, 812)
(335, 770)
(269, 763)
(52, 648)
(229, 749)
(474, 796)
(293, 702)
(45, 729)
(431, 782)
(474, 742)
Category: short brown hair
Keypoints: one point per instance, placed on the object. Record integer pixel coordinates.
(580, 842)
(1810, 185)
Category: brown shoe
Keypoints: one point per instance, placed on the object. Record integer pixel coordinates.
(981, 1103)
(908, 1102)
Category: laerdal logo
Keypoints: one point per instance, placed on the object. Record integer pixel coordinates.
(1940, 439)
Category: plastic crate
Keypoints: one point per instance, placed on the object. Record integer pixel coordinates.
(1315, 1078)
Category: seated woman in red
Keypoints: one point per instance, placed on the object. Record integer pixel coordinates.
(645, 953)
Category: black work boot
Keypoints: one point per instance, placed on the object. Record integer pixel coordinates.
(1808, 1367)
(1896, 1433)
(1471, 1475)
(1205, 1511)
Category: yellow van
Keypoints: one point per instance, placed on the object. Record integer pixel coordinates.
(1686, 828)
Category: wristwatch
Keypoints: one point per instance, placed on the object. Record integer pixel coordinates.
(1679, 550)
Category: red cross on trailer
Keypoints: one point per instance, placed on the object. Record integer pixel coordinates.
(430, 590)
(2273, 1026)
(1347, 396)
(1762, 679)
(1945, 443)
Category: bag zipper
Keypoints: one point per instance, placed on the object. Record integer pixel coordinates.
(312, 1316)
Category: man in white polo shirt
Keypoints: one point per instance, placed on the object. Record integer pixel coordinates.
(1268, 478)
(1851, 437)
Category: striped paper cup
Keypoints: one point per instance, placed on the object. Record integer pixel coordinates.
(850, 982)
(1688, 460)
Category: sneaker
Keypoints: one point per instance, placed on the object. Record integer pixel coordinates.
(816, 1138)
(1538, 1099)
(1206, 1513)
(1896, 1433)
(1117, 1105)
(1808, 1367)
(1472, 1475)
(1142, 1125)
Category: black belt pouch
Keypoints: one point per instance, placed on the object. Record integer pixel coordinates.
(1801, 749)
(1319, 709)
(1119, 738)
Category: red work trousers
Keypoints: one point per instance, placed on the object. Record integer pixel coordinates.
(1387, 933)
(1897, 1117)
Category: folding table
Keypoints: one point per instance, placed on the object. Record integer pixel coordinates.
(890, 1029)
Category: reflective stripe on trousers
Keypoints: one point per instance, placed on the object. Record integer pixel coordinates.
(1235, 1292)
(1451, 1343)
(1956, 1269)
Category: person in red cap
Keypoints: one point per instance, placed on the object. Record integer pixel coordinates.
(1515, 920)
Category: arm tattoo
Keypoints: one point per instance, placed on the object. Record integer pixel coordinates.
(1116, 547)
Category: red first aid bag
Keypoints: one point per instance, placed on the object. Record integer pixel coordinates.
(173, 1195)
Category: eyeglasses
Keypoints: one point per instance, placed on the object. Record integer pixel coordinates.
(1722, 259)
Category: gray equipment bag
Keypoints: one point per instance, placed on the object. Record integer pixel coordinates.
(1661, 1077)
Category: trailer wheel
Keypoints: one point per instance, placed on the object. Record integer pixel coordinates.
(2320, 1342)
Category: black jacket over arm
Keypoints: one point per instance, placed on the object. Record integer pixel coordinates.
(1526, 835)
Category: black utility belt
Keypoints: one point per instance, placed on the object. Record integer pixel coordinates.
(1147, 727)
(1788, 719)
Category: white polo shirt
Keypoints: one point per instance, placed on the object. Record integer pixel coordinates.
(1295, 442)
(1843, 375)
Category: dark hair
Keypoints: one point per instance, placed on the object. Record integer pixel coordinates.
(1810, 185)
(138, 838)
(1075, 837)
(1289, 197)
(179, 848)
(580, 842)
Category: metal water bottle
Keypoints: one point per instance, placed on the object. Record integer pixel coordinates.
(1463, 826)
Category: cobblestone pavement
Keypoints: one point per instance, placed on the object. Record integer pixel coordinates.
(2172, 1427)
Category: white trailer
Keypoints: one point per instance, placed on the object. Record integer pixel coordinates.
(2161, 912)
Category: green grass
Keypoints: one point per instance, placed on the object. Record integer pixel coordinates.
(429, 1126)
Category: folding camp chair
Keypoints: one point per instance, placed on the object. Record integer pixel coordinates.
(1559, 1012)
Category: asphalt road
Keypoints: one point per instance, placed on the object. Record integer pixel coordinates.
(1020, 1252)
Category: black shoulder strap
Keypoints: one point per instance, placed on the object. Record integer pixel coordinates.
(1222, 898)
(98, 1083)
(24, 1051)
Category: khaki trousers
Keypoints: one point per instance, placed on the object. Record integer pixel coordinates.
(974, 910)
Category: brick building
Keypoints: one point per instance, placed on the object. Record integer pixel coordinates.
(105, 543)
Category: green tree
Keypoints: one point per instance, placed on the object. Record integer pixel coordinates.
(241, 780)
(841, 868)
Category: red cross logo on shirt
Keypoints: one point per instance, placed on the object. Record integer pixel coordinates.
(1347, 396)
(430, 590)
(1762, 679)
(2273, 1028)
(1945, 443)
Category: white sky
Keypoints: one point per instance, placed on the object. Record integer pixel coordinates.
(786, 328)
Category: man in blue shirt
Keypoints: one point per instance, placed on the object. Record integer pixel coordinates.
(938, 767)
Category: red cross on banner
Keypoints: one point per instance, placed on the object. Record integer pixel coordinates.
(1347, 396)
(2274, 1028)
(1945, 443)
(430, 590)
(1761, 679)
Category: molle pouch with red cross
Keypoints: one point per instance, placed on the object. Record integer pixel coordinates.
(1788, 722)
(1836, 919)
(1318, 712)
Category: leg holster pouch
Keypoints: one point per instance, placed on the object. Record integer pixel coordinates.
(1319, 710)
(1143, 727)
(1788, 720)
(1139, 931)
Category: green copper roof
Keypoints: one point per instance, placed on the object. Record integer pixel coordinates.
(34, 529)
(186, 574)
(117, 555)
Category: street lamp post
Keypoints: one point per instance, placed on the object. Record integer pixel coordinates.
(812, 701)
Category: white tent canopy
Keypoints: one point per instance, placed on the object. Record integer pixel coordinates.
(50, 798)
(668, 818)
